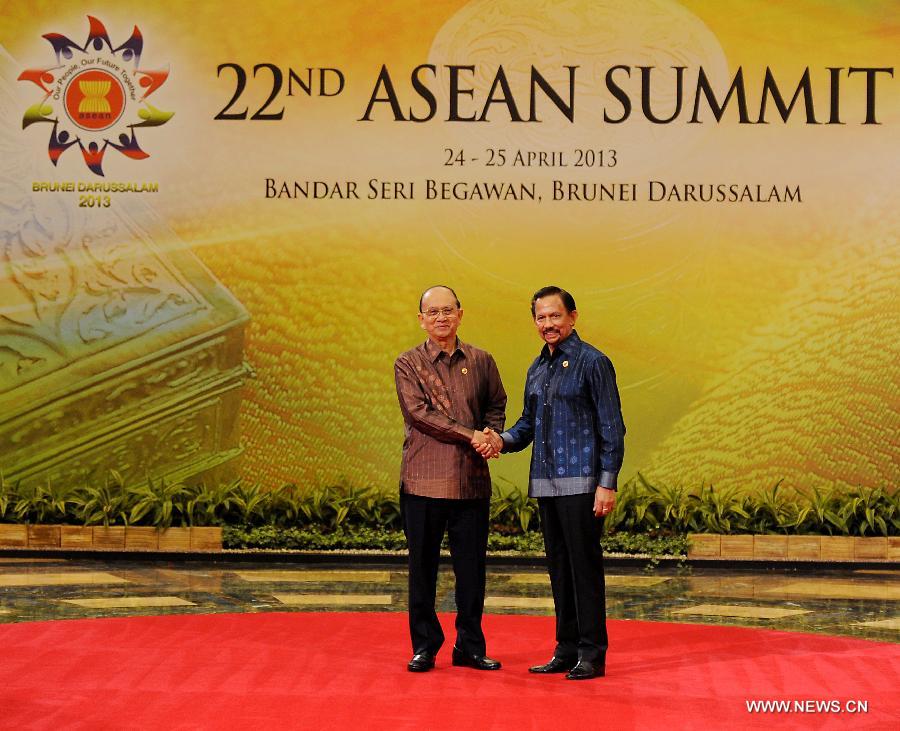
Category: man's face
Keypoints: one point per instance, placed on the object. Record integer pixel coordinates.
(554, 324)
(440, 317)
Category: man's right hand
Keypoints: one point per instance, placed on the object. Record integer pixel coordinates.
(495, 440)
(482, 445)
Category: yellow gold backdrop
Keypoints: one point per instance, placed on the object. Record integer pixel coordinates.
(753, 342)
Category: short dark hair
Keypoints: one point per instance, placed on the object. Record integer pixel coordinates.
(567, 299)
(438, 286)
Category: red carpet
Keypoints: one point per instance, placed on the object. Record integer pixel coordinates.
(341, 671)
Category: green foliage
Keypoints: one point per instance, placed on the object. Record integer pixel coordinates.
(317, 538)
(211, 505)
(773, 512)
(710, 510)
(105, 504)
(659, 513)
(369, 506)
(250, 502)
(643, 543)
(511, 509)
(312, 538)
(157, 503)
(822, 514)
(872, 512)
(319, 507)
(42, 503)
(286, 505)
(642, 507)
(530, 542)
(6, 496)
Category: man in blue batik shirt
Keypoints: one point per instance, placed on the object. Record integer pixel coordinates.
(573, 416)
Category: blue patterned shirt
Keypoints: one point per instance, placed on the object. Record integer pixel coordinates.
(573, 415)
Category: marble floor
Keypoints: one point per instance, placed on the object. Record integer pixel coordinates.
(857, 603)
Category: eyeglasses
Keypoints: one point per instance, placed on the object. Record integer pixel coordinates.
(432, 313)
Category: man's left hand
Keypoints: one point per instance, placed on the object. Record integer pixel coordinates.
(604, 502)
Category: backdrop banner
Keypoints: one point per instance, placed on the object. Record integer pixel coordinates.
(216, 220)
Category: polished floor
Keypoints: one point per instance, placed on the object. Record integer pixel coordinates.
(856, 603)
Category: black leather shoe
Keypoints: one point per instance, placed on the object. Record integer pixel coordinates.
(421, 662)
(585, 670)
(479, 662)
(556, 665)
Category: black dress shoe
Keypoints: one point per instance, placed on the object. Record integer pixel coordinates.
(556, 665)
(479, 662)
(421, 662)
(585, 670)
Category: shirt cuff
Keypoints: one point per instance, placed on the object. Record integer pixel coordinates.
(507, 439)
(608, 480)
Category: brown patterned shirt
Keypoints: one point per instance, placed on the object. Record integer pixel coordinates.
(443, 399)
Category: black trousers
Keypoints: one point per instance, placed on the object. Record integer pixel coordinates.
(466, 521)
(575, 562)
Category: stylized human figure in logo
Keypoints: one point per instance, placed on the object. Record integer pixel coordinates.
(59, 143)
(131, 49)
(129, 146)
(39, 77)
(62, 45)
(97, 35)
(93, 156)
(152, 80)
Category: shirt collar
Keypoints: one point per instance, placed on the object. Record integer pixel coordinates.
(570, 346)
(434, 351)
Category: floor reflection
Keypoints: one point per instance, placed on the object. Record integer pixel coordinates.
(861, 603)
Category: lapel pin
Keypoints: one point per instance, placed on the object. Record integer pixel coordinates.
(565, 364)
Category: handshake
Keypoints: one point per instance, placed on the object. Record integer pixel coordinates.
(487, 443)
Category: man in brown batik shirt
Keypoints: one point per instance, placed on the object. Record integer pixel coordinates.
(449, 392)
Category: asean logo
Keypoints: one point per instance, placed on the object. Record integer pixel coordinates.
(92, 99)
